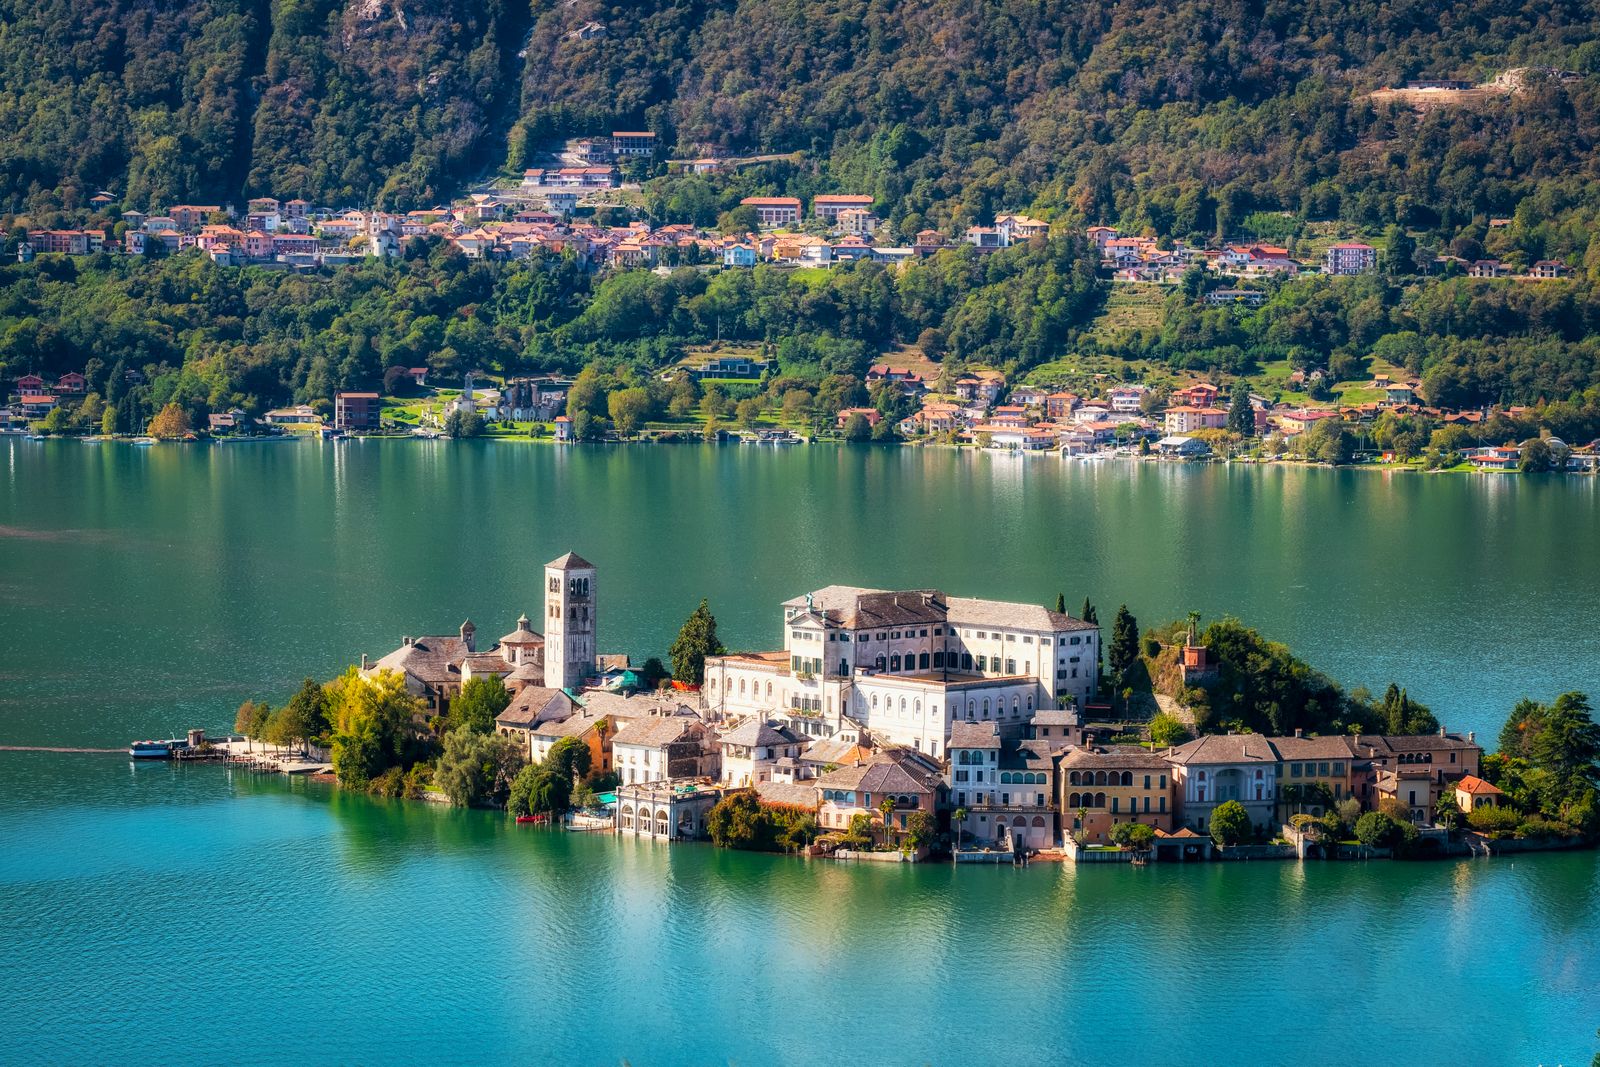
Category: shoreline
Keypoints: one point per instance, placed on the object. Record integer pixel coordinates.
(690, 438)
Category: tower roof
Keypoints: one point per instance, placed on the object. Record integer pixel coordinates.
(568, 562)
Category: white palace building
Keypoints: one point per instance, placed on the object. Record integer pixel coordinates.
(901, 667)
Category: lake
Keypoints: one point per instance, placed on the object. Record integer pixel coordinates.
(146, 590)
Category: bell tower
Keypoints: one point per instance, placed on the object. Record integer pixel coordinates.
(569, 621)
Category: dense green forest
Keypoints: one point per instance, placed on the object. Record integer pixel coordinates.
(1184, 118)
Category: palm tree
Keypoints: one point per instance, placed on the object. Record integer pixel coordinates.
(886, 806)
(958, 816)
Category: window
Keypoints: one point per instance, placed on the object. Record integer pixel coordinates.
(1077, 640)
(1027, 639)
(1147, 781)
(1322, 769)
(894, 662)
(966, 661)
(938, 660)
(1005, 798)
(983, 663)
(922, 661)
(1038, 800)
(1011, 666)
(1114, 804)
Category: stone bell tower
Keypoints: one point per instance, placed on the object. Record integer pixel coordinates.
(569, 621)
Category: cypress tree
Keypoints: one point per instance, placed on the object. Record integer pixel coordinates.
(1124, 652)
(696, 641)
(1061, 603)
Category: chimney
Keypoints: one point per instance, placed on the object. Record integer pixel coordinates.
(363, 661)
(405, 642)
(1298, 732)
(1472, 735)
(468, 635)
(1441, 731)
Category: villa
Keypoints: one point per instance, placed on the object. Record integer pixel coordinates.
(905, 666)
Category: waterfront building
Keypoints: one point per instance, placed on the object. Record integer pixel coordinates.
(903, 666)
(1472, 793)
(1316, 773)
(1213, 770)
(858, 789)
(1440, 757)
(671, 810)
(356, 411)
(1103, 786)
(1004, 778)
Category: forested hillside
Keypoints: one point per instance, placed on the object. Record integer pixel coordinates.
(1184, 118)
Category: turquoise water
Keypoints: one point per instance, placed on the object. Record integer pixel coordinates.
(285, 918)
(147, 590)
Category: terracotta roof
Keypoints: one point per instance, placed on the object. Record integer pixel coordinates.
(1471, 783)
(570, 561)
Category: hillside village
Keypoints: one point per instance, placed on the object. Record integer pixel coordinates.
(565, 211)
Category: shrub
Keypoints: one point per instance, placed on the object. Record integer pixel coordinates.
(1494, 821)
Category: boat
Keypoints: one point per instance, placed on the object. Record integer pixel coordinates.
(530, 818)
(156, 749)
(144, 441)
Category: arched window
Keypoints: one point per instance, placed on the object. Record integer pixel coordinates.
(874, 699)
(894, 662)
(1099, 800)
(1201, 776)
(938, 659)
(1072, 779)
(1005, 777)
(1075, 801)
(880, 662)
(916, 706)
(1099, 777)
(1038, 821)
(922, 661)
(1127, 777)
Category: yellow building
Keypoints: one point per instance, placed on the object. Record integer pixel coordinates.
(1473, 792)
(1100, 787)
